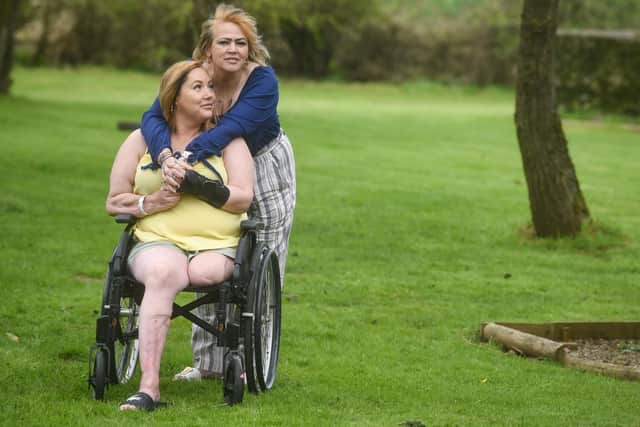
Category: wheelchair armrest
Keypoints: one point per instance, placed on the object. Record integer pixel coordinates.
(246, 244)
(250, 225)
(125, 219)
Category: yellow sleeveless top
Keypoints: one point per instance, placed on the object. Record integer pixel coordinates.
(192, 224)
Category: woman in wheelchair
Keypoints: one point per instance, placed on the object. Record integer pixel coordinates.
(188, 227)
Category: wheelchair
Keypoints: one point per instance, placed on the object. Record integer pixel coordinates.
(247, 318)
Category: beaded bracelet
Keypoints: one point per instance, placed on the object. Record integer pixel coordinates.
(164, 155)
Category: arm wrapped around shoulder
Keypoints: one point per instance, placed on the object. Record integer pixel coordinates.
(213, 192)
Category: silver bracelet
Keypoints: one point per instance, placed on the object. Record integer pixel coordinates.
(141, 206)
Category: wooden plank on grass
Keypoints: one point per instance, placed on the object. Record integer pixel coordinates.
(618, 371)
(533, 339)
(571, 331)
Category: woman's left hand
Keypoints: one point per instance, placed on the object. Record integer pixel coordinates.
(164, 199)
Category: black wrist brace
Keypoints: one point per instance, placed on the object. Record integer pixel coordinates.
(213, 192)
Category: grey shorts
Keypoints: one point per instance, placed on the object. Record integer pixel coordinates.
(138, 247)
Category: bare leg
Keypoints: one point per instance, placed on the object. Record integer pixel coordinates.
(209, 268)
(205, 269)
(163, 270)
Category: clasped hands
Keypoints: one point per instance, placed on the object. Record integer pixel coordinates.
(173, 172)
(179, 177)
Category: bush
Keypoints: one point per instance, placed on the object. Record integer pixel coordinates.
(598, 73)
(379, 49)
(148, 35)
(398, 48)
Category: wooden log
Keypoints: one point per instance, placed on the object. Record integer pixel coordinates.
(522, 342)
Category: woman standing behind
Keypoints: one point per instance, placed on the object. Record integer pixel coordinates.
(247, 99)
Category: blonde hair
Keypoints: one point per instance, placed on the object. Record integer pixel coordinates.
(170, 86)
(258, 52)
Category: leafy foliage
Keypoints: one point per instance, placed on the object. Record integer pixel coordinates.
(454, 41)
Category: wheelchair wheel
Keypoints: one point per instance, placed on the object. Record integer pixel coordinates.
(123, 339)
(99, 375)
(126, 346)
(262, 331)
(233, 383)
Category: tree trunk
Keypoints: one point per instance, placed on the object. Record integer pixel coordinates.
(557, 205)
(200, 10)
(43, 41)
(8, 18)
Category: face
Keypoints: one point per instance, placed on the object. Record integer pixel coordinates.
(230, 48)
(196, 96)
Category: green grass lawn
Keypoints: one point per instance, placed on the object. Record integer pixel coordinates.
(412, 209)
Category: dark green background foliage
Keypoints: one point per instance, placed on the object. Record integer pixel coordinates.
(446, 40)
(600, 74)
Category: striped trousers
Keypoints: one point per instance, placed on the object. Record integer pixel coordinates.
(273, 204)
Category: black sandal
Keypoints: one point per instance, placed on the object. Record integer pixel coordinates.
(142, 400)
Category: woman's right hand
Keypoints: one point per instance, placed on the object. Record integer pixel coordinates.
(173, 171)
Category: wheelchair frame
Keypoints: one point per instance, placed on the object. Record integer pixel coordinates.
(247, 317)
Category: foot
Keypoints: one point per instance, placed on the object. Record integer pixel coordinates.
(195, 374)
(141, 400)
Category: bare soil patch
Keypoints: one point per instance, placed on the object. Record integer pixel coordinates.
(618, 352)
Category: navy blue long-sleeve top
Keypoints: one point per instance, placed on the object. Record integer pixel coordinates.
(254, 117)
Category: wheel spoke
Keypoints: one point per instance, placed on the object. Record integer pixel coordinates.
(127, 350)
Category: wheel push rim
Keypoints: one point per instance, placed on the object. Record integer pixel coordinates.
(268, 333)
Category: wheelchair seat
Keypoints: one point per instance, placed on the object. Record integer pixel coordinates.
(247, 317)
